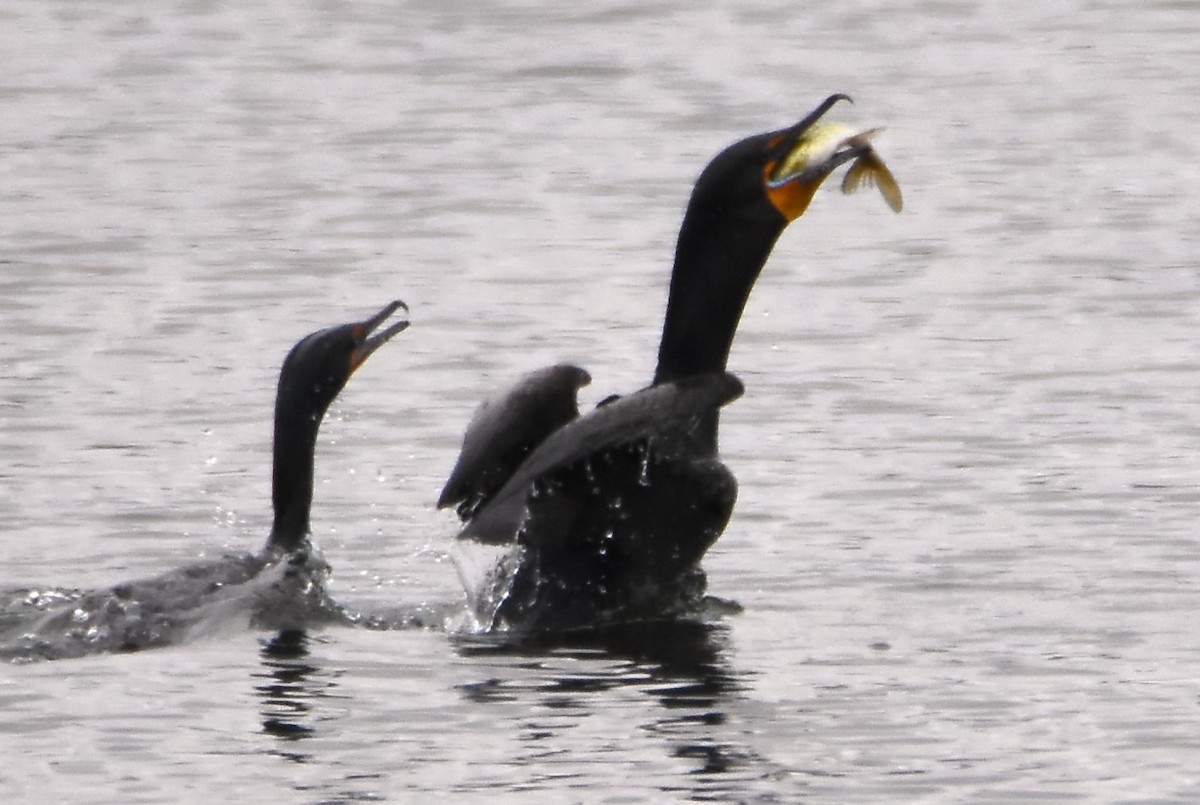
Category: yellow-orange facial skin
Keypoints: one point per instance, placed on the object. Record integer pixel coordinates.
(359, 354)
(791, 198)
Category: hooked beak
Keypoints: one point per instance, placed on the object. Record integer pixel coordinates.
(368, 343)
(793, 155)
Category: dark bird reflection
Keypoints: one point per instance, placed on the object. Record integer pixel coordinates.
(680, 659)
(680, 663)
(288, 686)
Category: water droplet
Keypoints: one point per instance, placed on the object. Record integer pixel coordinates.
(644, 469)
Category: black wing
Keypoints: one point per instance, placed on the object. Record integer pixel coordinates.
(506, 429)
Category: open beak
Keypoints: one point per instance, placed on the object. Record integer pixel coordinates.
(369, 340)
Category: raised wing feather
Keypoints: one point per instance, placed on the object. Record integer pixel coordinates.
(506, 429)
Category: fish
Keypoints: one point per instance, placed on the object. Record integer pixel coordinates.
(822, 140)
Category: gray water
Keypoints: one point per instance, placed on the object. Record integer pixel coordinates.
(966, 540)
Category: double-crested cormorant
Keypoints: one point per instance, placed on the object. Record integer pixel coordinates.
(281, 586)
(610, 514)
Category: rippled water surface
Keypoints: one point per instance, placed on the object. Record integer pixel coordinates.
(966, 540)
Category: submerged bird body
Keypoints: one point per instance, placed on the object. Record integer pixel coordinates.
(280, 587)
(609, 516)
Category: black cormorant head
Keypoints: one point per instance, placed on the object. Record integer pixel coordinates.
(318, 367)
(739, 207)
(772, 177)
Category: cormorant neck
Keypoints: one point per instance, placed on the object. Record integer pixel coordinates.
(292, 475)
(720, 252)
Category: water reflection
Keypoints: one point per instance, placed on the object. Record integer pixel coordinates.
(562, 680)
(291, 685)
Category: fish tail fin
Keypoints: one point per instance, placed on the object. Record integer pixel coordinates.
(869, 170)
